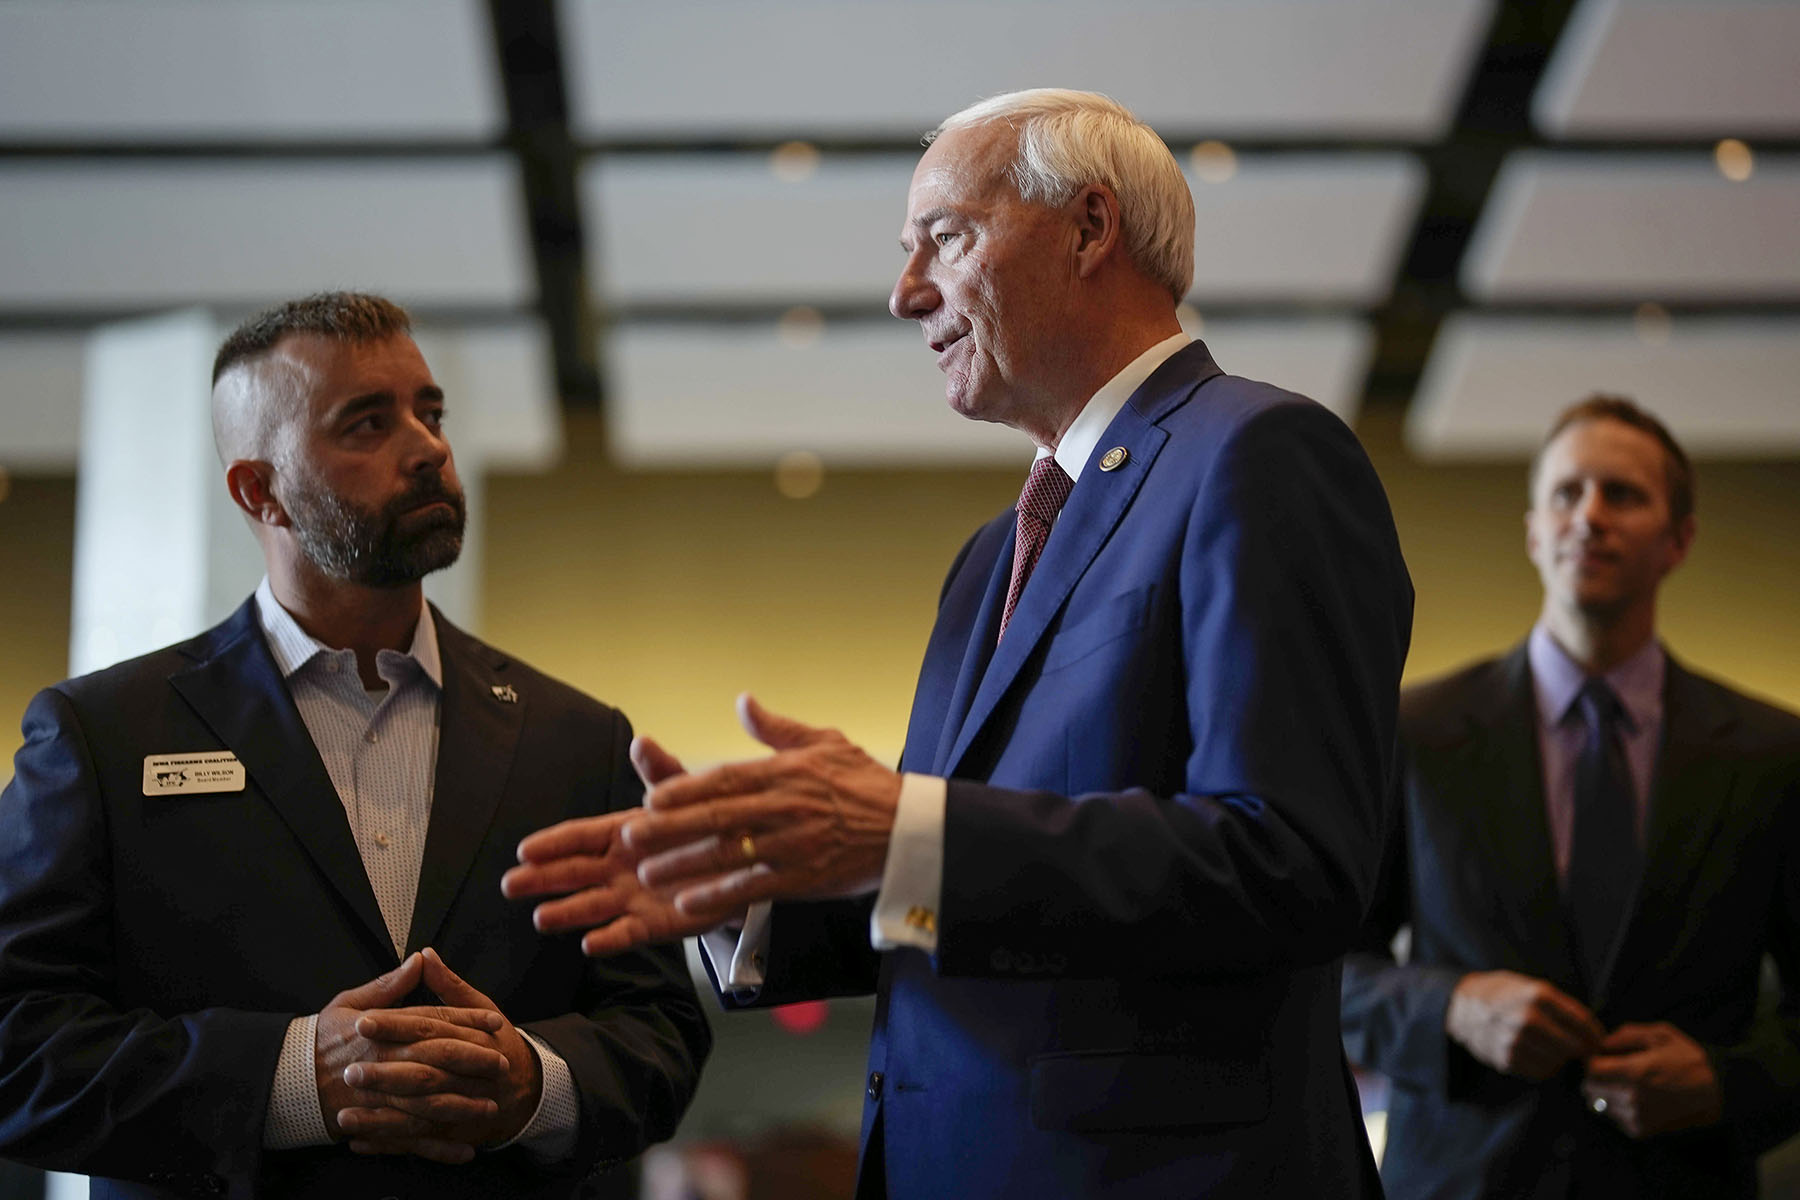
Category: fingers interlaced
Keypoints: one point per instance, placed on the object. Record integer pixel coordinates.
(429, 1023)
(442, 1054)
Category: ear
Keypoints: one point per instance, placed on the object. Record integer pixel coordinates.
(1530, 535)
(1097, 235)
(252, 487)
(1681, 540)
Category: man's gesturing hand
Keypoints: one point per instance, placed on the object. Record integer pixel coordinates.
(456, 1044)
(1519, 1025)
(417, 1111)
(1653, 1079)
(586, 858)
(811, 821)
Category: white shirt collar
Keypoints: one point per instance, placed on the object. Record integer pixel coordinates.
(293, 647)
(1078, 442)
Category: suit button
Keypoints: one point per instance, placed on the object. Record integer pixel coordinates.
(874, 1085)
(1563, 1146)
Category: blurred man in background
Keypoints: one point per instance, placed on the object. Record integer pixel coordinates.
(1139, 813)
(247, 883)
(1597, 850)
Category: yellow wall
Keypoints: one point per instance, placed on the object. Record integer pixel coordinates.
(37, 556)
(668, 593)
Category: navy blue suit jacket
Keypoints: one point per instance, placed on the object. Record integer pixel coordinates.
(1469, 869)
(154, 949)
(1164, 818)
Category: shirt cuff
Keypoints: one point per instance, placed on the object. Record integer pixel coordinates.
(550, 1134)
(294, 1118)
(744, 953)
(912, 881)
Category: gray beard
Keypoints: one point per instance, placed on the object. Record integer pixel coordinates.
(367, 548)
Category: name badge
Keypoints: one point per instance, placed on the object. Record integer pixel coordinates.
(190, 774)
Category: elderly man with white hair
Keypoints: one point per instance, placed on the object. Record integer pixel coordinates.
(1103, 902)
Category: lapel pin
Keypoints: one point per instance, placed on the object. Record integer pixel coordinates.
(503, 692)
(1115, 458)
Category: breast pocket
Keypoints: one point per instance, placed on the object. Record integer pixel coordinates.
(1109, 621)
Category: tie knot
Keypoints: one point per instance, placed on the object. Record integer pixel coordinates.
(1600, 705)
(1045, 490)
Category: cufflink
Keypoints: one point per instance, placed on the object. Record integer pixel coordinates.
(921, 918)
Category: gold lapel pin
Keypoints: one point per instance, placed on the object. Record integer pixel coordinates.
(1115, 458)
(503, 692)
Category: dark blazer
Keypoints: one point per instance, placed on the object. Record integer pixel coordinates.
(1469, 869)
(154, 949)
(1164, 818)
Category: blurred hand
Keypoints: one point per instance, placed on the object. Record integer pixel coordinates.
(1519, 1025)
(455, 1043)
(811, 821)
(421, 1108)
(1653, 1078)
(587, 859)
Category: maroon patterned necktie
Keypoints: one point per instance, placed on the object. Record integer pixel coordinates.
(1042, 499)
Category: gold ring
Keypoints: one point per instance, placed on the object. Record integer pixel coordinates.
(748, 845)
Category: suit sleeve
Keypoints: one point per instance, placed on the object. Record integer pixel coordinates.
(1393, 1013)
(1293, 619)
(637, 1038)
(1759, 1076)
(84, 1084)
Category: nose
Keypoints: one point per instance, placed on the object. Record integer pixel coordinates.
(427, 449)
(913, 296)
(1590, 510)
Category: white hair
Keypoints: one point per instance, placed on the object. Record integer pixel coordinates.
(1070, 139)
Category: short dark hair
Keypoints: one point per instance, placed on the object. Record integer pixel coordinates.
(1678, 472)
(348, 316)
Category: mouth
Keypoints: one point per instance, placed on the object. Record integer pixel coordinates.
(1588, 558)
(434, 505)
(942, 347)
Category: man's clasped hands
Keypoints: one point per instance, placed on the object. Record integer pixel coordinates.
(810, 820)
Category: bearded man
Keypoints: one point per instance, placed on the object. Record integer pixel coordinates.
(251, 941)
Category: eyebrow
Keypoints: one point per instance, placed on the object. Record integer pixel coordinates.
(926, 220)
(932, 215)
(357, 405)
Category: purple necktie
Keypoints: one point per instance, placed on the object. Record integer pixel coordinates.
(1042, 499)
(1603, 855)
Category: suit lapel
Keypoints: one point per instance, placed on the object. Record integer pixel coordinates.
(1092, 512)
(977, 603)
(1688, 800)
(478, 735)
(238, 691)
(1506, 786)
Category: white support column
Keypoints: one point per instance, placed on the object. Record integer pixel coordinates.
(160, 551)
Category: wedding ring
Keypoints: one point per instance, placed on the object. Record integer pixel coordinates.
(748, 845)
(1599, 1106)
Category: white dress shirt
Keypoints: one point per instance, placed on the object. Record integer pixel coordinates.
(380, 750)
(912, 878)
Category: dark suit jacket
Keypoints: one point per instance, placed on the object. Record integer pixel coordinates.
(1469, 869)
(154, 949)
(1164, 818)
